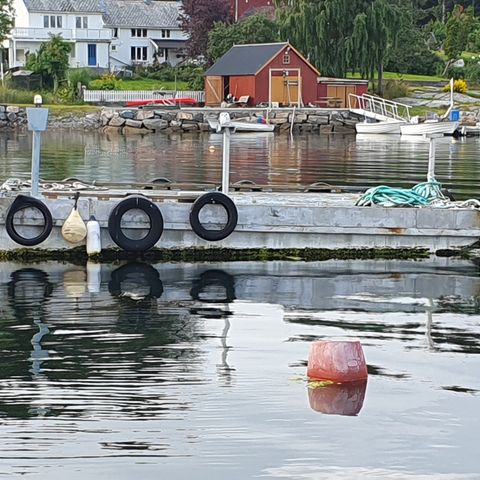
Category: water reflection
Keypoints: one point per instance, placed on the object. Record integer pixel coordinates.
(338, 399)
(266, 159)
(191, 366)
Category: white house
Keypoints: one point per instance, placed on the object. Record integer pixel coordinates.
(144, 32)
(104, 34)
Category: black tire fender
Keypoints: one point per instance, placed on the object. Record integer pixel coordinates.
(156, 224)
(20, 203)
(211, 198)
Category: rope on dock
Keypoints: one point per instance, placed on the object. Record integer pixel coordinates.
(423, 194)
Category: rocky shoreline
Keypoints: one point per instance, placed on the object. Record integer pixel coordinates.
(131, 121)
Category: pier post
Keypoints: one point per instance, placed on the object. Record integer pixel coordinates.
(36, 144)
(37, 123)
(226, 161)
(431, 161)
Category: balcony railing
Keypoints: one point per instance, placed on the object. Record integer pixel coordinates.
(66, 33)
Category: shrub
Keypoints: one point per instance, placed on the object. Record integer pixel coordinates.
(459, 86)
(395, 89)
(11, 96)
(105, 82)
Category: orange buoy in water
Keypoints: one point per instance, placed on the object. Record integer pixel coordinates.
(339, 361)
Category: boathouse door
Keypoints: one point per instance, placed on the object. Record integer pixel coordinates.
(285, 87)
(213, 91)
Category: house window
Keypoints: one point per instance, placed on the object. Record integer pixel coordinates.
(138, 54)
(52, 21)
(139, 32)
(115, 32)
(81, 22)
(165, 33)
(114, 48)
(286, 59)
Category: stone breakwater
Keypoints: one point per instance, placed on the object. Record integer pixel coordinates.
(130, 121)
(133, 121)
(144, 121)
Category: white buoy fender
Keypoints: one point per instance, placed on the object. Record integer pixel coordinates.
(94, 244)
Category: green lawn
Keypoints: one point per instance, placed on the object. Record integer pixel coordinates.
(408, 77)
(151, 84)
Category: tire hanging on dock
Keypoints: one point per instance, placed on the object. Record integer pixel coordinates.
(214, 198)
(21, 203)
(154, 233)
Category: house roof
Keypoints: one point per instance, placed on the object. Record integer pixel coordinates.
(245, 59)
(83, 6)
(117, 13)
(141, 13)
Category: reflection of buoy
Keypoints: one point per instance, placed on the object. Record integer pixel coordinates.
(74, 283)
(94, 277)
(339, 398)
(211, 148)
(94, 244)
(339, 361)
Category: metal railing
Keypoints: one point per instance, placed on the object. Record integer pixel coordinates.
(66, 33)
(379, 106)
(121, 96)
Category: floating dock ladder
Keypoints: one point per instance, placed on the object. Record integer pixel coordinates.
(377, 108)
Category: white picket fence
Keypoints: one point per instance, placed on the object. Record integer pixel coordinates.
(122, 96)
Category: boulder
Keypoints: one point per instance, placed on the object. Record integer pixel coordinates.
(145, 114)
(128, 114)
(13, 109)
(184, 116)
(190, 127)
(155, 124)
(318, 119)
(117, 121)
(134, 123)
(11, 117)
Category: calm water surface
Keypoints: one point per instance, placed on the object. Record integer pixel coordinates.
(198, 371)
(264, 158)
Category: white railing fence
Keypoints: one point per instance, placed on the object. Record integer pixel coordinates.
(122, 96)
(378, 105)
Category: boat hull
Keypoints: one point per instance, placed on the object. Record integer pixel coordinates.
(244, 126)
(445, 128)
(379, 127)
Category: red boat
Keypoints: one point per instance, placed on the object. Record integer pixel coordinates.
(180, 102)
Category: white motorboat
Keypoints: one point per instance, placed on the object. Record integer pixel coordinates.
(390, 126)
(243, 126)
(429, 128)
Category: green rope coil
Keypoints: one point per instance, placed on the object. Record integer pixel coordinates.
(419, 195)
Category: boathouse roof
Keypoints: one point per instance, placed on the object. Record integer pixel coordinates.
(245, 59)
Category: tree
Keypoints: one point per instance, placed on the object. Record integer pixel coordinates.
(51, 61)
(459, 26)
(254, 29)
(342, 35)
(7, 14)
(198, 18)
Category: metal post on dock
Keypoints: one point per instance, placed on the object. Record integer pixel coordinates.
(37, 123)
(226, 161)
(225, 125)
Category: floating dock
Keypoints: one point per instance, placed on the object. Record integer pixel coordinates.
(266, 221)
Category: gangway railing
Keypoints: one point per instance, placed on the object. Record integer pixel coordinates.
(372, 106)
